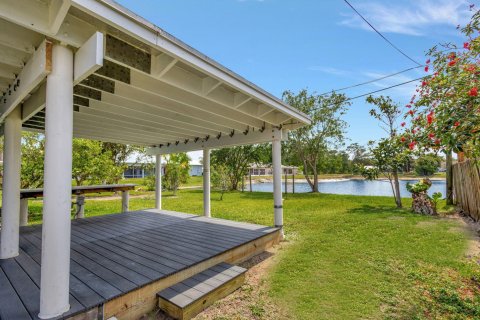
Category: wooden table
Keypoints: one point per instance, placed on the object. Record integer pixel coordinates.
(80, 192)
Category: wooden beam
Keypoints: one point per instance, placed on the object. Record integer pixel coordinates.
(239, 138)
(148, 120)
(35, 103)
(36, 69)
(161, 64)
(209, 84)
(89, 58)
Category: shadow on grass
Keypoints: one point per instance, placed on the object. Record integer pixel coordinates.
(378, 209)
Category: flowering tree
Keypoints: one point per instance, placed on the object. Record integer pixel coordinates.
(445, 110)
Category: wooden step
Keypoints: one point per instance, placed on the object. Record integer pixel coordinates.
(188, 298)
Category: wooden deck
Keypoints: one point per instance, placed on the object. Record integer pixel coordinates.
(119, 262)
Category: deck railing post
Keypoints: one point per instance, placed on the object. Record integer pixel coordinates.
(277, 177)
(56, 229)
(125, 200)
(158, 181)
(206, 182)
(23, 212)
(11, 185)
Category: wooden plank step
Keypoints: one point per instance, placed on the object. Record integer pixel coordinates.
(188, 298)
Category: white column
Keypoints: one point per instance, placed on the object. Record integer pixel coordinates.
(55, 269)
(125, 200)
(277, 178)
(11, 185)
(158, 181)
(206, 182)
(23, 212)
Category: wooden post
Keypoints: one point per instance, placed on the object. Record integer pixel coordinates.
(56, 229)
(125, 200)
(158, 182)
(11, 185)
(206, 183)
(24, 212)
(286, 181)
(80, 206)
(293, 181)
(277, 178)
(449, 173)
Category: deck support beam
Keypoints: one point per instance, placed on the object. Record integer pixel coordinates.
(55, 268)
(206, 182)
(158, 181)
(277, 177)
(11, 185)
(125, 201)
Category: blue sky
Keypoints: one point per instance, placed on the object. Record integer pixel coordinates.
(319, 45)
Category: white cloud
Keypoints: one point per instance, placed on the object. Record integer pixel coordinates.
(329, 70)
(413, 17)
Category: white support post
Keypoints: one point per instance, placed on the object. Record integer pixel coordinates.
(206, 182)
(277, 178)
(24, 212)
(158, 181)
(11, 185)
(55, 269)
(125, 200)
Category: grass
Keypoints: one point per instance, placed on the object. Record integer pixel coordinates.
(349, 257)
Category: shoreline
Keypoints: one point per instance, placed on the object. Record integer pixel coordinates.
(270, 180)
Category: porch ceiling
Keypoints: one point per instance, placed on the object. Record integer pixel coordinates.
(150, 88)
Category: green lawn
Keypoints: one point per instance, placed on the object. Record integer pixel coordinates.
(350, 257)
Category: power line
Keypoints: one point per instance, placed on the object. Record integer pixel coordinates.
(381, 35)
(383, 89)
(371, 81)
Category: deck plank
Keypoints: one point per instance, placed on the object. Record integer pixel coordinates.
(112, 255)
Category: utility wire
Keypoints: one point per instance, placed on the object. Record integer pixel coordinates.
(371, 81)
(383, 89)
(381, 35)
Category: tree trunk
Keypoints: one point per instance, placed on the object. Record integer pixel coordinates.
(449, 191)
(315, 181)
(398, 198)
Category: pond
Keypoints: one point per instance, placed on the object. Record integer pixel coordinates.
(351, 186)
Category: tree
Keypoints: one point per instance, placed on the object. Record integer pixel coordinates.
(388, 157)
(33, 145)
(90, 162)
(237, 161)
(427, 164)
(177, 171)
(327, 129)
(444, 111)
(221, 179)
(389, 154)
(119, 153)
(359, 155)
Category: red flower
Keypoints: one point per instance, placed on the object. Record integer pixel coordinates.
(466, 45)
(470, 68)
(403, 139)
(431, 135)
(430, 118)
(403, 124)
(426, 68)
(408, 106)
(424, 83)
(452, 63)
(428, 61)
(411, 112)
(437, 141)
(411, 145)
(473, 92)
(456, 124)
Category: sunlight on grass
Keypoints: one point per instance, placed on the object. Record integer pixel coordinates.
(349, 257)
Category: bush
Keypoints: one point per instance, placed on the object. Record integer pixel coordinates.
(427, 165)
(149, 183)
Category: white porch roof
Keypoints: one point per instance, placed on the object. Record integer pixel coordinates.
(134, 83)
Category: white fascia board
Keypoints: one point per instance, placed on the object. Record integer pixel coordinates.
(36, 69)
(133, 25)
(237, 139)
(89, 58)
